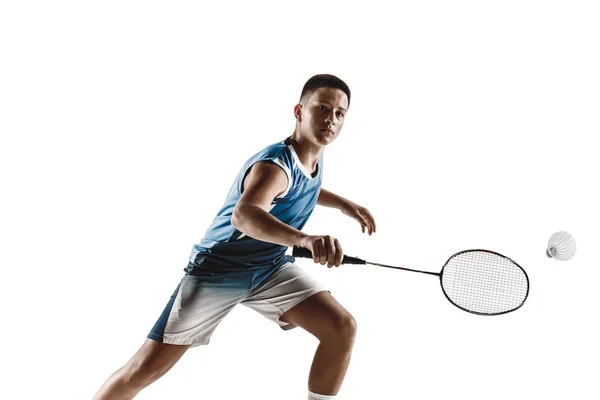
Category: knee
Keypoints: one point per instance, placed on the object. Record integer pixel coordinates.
(343, 328)
(349, 326)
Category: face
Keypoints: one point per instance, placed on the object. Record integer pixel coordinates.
(321, 116)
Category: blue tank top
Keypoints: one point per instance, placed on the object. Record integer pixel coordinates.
(223, 248)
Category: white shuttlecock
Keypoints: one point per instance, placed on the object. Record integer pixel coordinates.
(561, 246)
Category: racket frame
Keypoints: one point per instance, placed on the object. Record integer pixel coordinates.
(441, 274)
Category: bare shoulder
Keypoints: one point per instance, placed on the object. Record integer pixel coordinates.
(263, 182)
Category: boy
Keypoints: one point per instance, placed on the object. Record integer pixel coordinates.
(241, 258)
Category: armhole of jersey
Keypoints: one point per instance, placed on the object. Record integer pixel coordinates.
(288, 173)
(274, 161)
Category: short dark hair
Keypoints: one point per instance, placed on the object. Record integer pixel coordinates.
(324, 80)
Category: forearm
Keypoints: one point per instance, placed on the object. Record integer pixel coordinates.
(259, 224)
(329, 199)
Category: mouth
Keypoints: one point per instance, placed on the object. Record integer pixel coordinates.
(327, 131)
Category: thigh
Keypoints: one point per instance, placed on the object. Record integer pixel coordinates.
(197, 307)
(321, 315)
(289, 286)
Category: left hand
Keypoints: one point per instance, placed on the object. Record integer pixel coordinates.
(361, 214)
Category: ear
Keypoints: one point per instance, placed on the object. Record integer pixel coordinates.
(298, 112)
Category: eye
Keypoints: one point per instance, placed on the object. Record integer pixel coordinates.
(340, 115)
(322, 108)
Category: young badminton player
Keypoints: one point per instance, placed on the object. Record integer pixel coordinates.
(241, 258)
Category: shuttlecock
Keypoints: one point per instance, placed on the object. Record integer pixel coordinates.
(561, 246)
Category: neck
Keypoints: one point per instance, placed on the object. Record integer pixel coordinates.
(308, 152)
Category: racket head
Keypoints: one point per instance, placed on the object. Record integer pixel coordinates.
(484, 282)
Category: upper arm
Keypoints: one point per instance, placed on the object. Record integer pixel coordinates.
(262, 184)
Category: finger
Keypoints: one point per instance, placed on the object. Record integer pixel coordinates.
(323, 252)
(367, 226)
(339, 253)
(315, 252)
(330, 252)
(371, 219)
(364, 224)
(365, 221)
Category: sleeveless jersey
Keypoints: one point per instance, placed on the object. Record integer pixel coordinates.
(223, 248)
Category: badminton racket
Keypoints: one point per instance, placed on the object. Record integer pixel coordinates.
(478, 281)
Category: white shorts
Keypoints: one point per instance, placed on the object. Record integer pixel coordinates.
(200, 302)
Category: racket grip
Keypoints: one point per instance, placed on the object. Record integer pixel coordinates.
(301, 252)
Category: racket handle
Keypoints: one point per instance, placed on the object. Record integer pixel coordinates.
(305, 253)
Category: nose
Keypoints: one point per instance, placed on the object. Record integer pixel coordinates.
(330, 119)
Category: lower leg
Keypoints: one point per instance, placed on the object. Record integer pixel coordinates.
(152, 361)
(117, 387)
(330, 365)
(334, 326)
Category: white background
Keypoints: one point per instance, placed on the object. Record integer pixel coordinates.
(473, 124)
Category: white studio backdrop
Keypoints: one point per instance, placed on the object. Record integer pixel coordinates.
(473, 124)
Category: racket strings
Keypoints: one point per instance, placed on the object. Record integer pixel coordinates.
(484, 282)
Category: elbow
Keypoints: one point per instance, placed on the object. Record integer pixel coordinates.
(236, 219)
